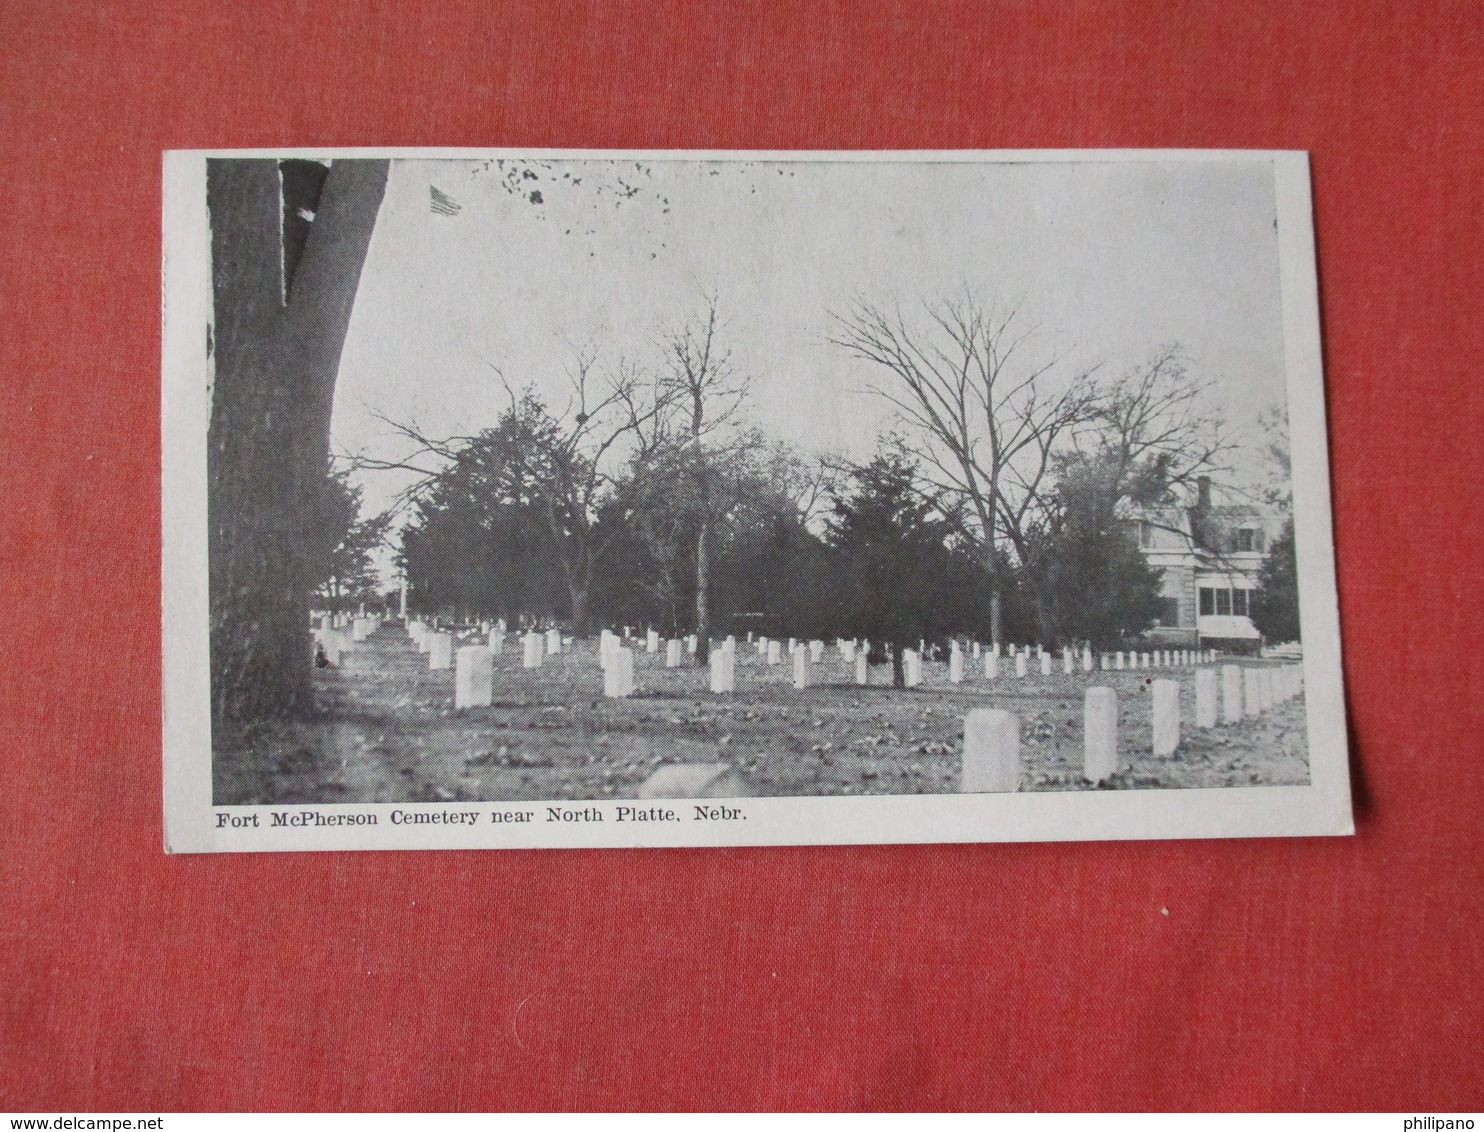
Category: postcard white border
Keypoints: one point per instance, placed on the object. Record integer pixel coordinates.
(194, 825)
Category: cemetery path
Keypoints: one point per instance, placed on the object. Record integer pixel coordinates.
(388, 732)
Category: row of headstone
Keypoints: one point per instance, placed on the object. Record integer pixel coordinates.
(991, 757)
(1160, 658)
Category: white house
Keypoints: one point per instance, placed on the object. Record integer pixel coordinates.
(1209, 557)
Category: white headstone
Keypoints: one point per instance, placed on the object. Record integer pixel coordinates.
(1205, 697)
(1166, 709)
(862, 667)
(801, 668)
(618, 677)
(762, 646)
(533, 651)
(1099, 734)
(672, 654)
(695, 780)
(976, 650)
(847, 651)
(497, 641)
(991, 666)
(1067, 663)
(440, 651)
(1144, 660)
(955, 665)
(775, 652)
(1231, 693)
(1020, 664)
(991, 761)
(690, 645)
(1118, 660)
(1086, 660)
(652, 641)
(816, 651)
(554, 641)
(723, 671)
(474, 677)
(911, 667)
(1045, 664)
(1105, 662)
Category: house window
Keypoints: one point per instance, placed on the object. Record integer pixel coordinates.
(1248, 540)
(1208, 601)
(1223, 602)
(1239, 602)
(1167, 611)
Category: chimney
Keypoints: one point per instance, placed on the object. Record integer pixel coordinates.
(1200, 514)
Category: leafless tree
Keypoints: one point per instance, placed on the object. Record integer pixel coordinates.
(705, 393)
(980, 417)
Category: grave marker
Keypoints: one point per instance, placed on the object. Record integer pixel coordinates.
(695, 780)
(723, 671)
(1165, 704)
(1205, 697)
(1045, 664)
(1231, 693)
(991, 666)
(474, 677)
(618, 677)
(1020, 664)
(440, 651)
(955, 665)
(672, 654)
(801, 668)
(1099, 734)
(533, 651)
(911, 668)
(991, 759)
(775, 653)
(862, 668)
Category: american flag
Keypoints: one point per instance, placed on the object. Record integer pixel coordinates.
(442, 203)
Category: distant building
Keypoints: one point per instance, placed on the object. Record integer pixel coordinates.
(1209, 557)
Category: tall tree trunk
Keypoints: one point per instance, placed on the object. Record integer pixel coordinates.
(578, 594)
(277, 354)
(703, 608)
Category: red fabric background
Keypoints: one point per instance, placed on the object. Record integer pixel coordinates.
(1321, 973)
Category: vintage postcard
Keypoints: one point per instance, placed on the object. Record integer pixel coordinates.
(542, 498)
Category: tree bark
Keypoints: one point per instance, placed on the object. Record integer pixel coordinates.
(277, 355)
(703, 607)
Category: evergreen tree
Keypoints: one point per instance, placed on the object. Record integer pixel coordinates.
(1275, 605)
(893, 565)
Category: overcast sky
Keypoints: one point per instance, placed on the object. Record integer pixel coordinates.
(1109, 260)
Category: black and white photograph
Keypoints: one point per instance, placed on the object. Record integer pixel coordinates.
(558, 498)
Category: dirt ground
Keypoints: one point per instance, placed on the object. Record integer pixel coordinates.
(388, 732)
